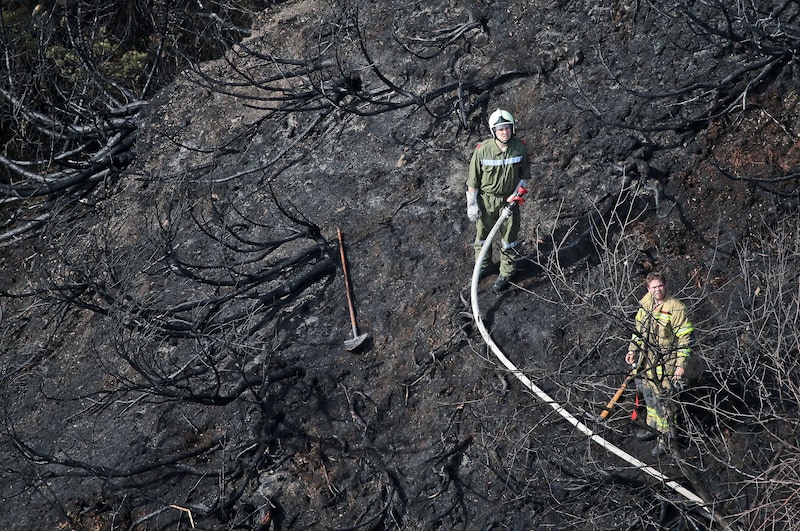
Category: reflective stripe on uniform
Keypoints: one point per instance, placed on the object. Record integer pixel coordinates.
(502, 162)
(684, 331)
(656, 421)
(656, 412)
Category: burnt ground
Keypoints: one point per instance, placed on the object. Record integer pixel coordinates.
(421, 428)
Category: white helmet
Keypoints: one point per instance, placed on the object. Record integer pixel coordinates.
(501, 117)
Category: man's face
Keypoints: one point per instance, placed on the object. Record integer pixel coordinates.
(503, 133)
(657, 289)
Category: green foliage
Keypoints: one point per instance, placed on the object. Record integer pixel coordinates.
(123, 66)
(66, 62)
(129, 65)
(121, 40)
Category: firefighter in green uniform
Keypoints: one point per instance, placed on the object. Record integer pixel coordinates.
(659, 349)
(498, 172)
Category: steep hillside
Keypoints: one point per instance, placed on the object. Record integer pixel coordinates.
(175, 352)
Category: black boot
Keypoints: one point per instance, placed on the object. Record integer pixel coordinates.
(660, 448)
(486, 270)
(501, 283)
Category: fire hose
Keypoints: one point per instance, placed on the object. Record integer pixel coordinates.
(544, 397)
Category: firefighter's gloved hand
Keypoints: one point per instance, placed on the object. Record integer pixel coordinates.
(678, 386)
(517, 196)
(473, 210)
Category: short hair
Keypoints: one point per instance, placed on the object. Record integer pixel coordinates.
(655, 275)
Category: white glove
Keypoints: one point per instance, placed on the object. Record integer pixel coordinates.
(473, 210)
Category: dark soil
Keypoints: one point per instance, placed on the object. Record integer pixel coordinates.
(421, 428)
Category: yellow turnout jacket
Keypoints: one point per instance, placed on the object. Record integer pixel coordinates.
(663, 334)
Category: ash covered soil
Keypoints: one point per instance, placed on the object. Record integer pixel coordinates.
(422, 428)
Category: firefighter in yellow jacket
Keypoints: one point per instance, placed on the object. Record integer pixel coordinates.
(659, 348)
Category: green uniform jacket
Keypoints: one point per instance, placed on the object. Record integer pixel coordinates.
(664, 332)
(496, 173)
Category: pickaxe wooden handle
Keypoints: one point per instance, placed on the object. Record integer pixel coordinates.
(617, 395)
